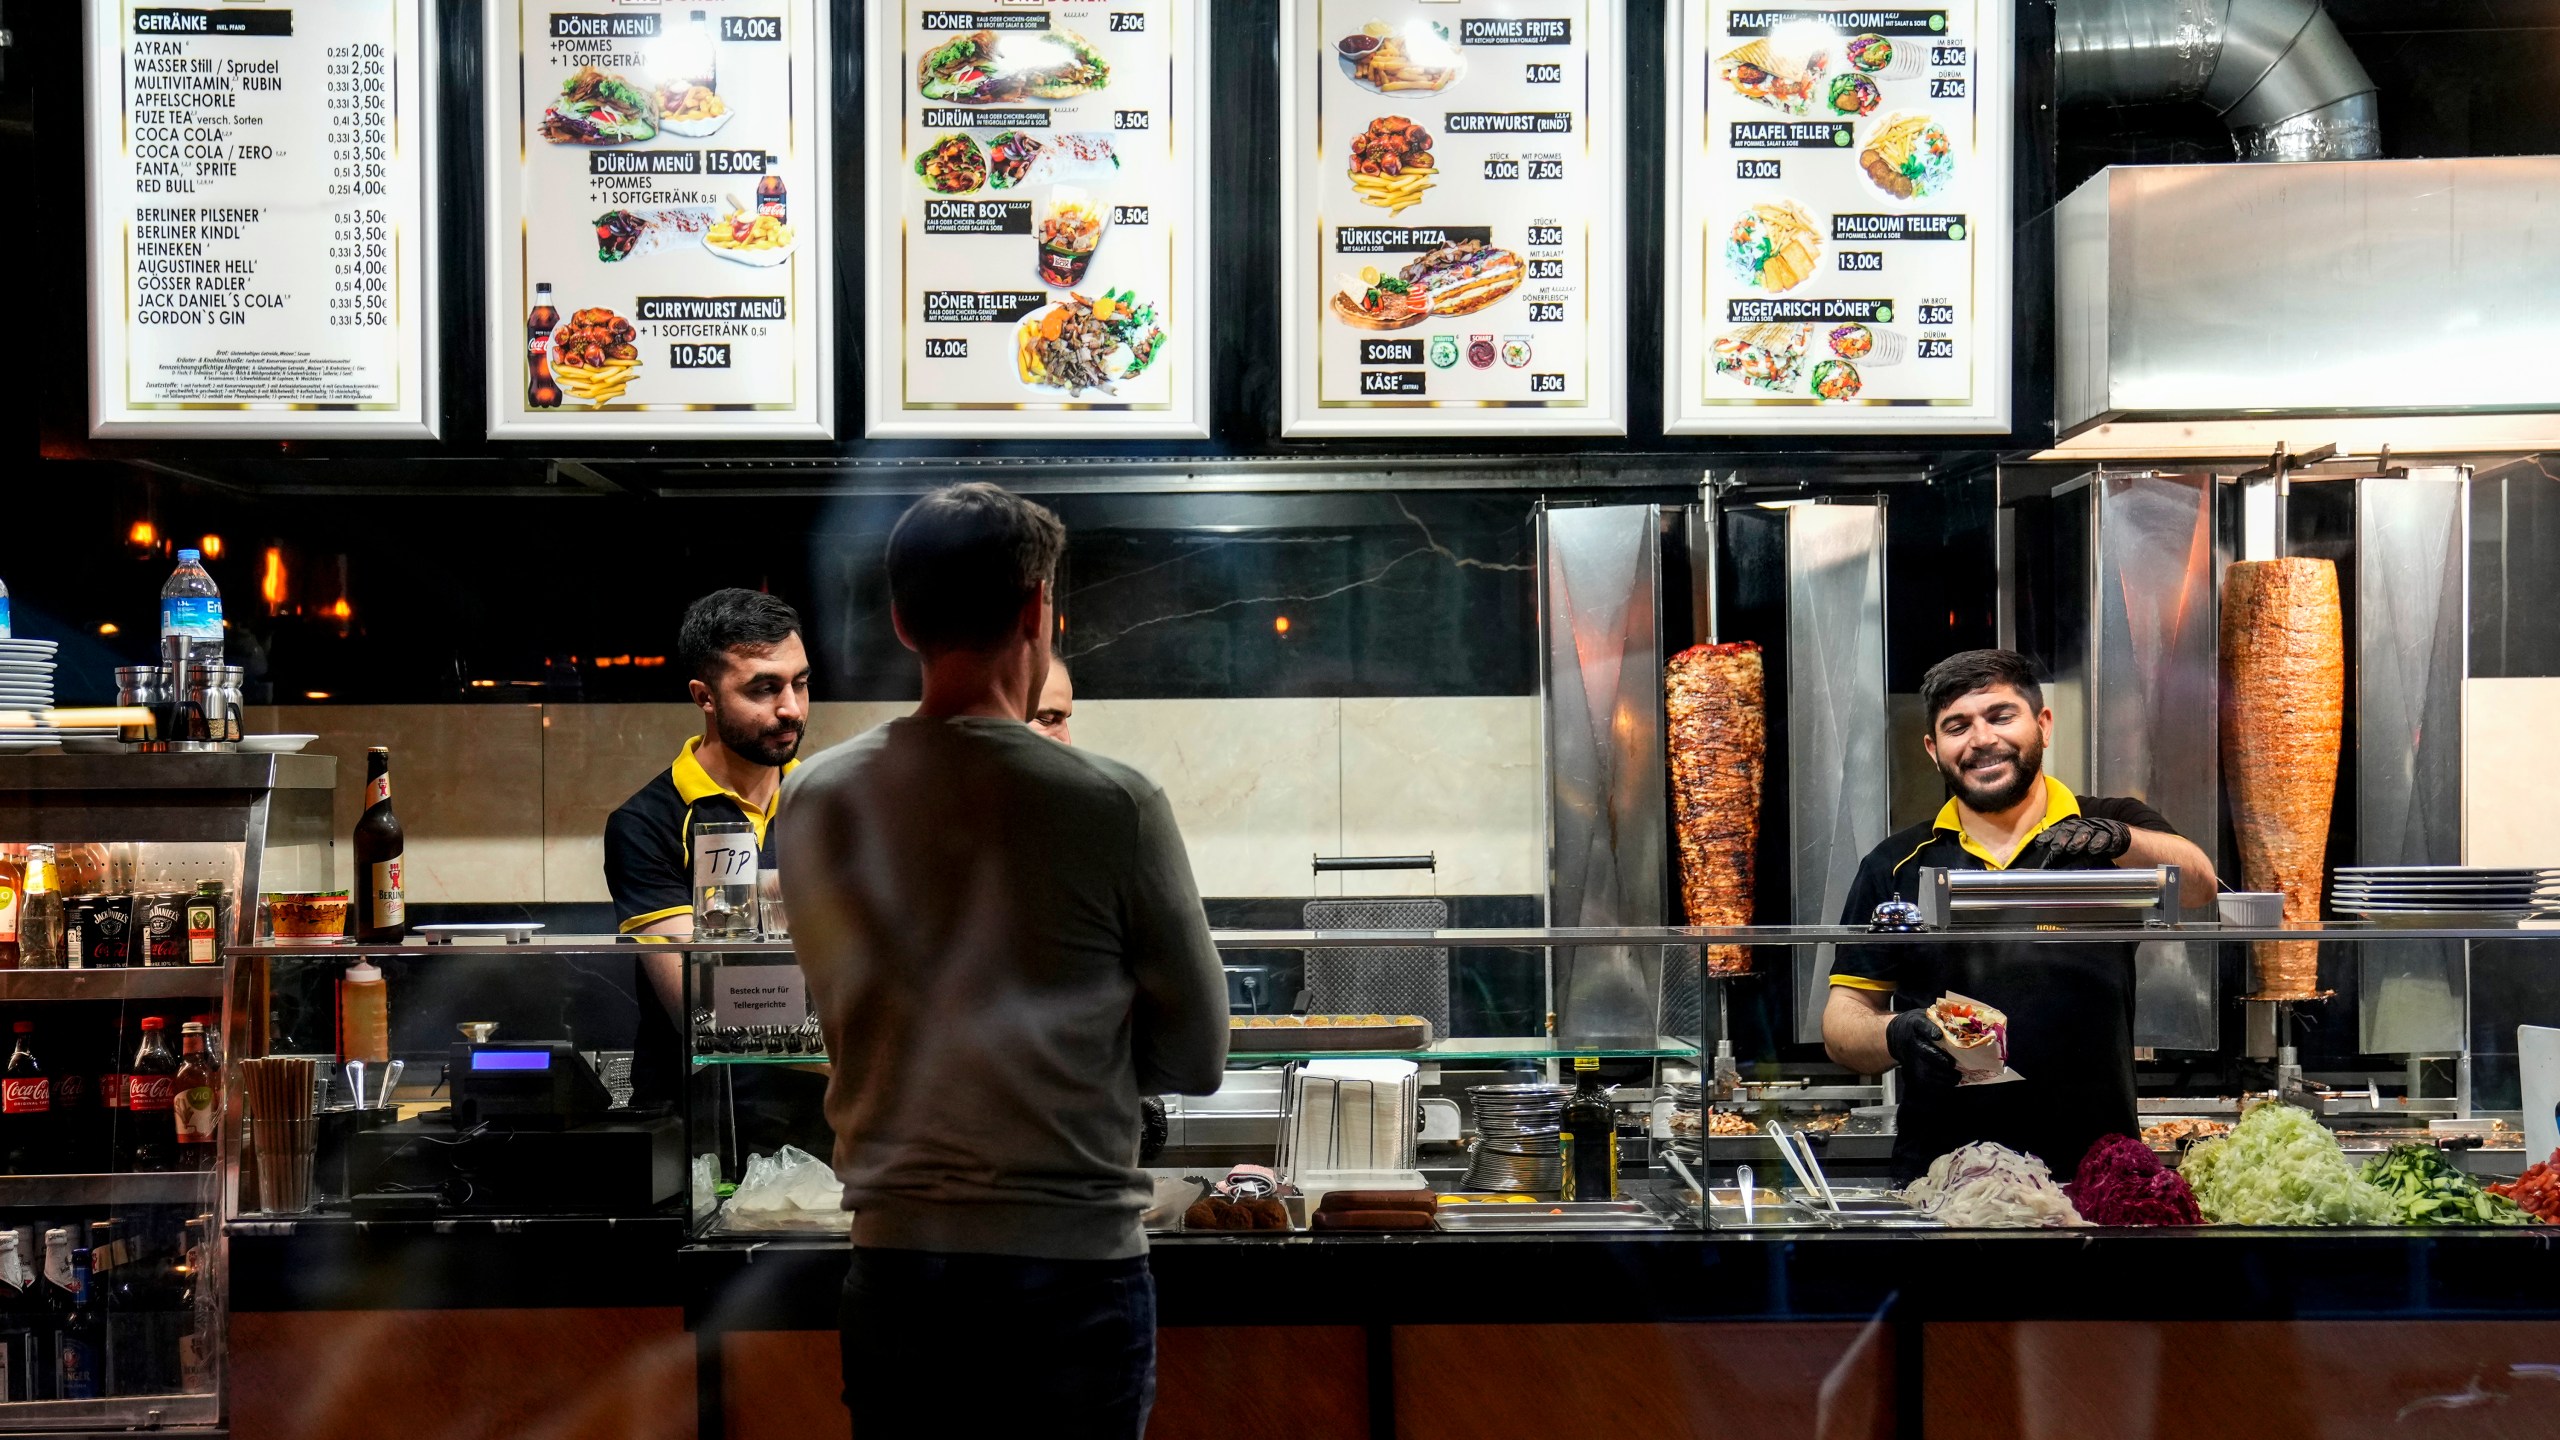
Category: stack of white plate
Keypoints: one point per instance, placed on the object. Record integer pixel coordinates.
(2435, 893)
(26, 685)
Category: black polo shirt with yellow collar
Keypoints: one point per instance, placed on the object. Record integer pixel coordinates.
(648, 844)
(648, 865)
(2070, 1006)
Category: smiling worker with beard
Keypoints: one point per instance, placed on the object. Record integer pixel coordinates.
(748, 673)
(2070, 1007)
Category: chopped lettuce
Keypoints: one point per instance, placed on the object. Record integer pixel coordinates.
(2279, 1166)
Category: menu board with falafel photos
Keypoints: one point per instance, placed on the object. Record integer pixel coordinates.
(1038, 240)
(259, 260)
(1454, 217)
(659, 262)
(1840, 218)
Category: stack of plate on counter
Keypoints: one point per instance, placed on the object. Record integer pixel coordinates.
(26, 692)
(2441, 894)
(1520, 1129)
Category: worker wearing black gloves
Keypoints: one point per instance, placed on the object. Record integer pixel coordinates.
(2069, 1007)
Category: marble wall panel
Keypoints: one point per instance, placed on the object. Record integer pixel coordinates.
(2508, 817)
(466, 781)
(1454, 776)
(508, 803)
(1255, 784)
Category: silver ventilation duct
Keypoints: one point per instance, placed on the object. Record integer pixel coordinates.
(2277, 71)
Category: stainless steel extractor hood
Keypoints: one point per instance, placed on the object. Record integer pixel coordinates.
(2217, 310)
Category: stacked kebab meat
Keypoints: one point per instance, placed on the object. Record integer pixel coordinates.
(1718, 742)
(2283, 701)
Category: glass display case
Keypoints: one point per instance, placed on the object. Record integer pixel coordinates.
(111, 1314)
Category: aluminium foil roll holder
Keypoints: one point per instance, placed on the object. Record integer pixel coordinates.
(1993, 899)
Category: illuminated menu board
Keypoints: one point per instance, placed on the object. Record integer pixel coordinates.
(1839, 218)
(661, 263)
(259, 261)
(1454, 213)
(1037, 232)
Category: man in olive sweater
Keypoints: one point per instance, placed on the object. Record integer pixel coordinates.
(1006, 947)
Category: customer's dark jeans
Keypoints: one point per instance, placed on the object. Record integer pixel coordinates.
(968, 1345)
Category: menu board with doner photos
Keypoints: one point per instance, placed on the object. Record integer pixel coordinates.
(660, 263)
(1038, 233)
(1839, 218)
(1454, 222)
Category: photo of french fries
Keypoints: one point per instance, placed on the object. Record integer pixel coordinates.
(600, 385)
(1391, 164)
(1420, 56)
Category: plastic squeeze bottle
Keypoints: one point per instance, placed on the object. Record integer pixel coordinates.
(364, 1015)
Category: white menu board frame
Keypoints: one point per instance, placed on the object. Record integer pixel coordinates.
(1701, 202)
(1318, 198)
(520, 87)
(1173, 191)
(404, 236)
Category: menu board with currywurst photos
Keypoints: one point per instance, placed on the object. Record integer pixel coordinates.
(1037, 233)
(260, 263)
(1840, 218)
(660, 265)
(1454, 217)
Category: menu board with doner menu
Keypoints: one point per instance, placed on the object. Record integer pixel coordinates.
(660, 265)
(260, 263)
(1839, 217)
(1454, 217)
(1038, 236)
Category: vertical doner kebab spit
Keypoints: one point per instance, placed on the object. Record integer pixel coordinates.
(1718, 742)
(2283, 698)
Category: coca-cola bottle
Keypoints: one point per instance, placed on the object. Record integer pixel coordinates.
(150, 1090)
(26, 1108)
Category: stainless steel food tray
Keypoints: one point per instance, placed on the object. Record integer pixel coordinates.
(1562, 1215)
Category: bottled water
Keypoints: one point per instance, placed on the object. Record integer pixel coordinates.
(190, 619)
(4, 612)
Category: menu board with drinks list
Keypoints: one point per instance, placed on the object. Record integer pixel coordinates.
(1839, 218)
(1454, 217)
(660, 260)
(1035, 213)
(260, 263)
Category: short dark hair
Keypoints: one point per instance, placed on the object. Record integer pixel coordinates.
(727, 620)
(1959, 675)
(964, 560)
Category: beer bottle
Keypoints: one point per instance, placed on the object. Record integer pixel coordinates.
(21, 1323)
(26, 1108)
(542, 389)
(39, 913)
(381, 914)
(196, 1100)
(81, 1352)
(150, 1088)
(54, 1290)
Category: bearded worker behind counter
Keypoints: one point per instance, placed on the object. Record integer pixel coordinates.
(748, 673)
(2070, 1007)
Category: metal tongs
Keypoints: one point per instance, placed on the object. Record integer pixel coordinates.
(1808, 1168)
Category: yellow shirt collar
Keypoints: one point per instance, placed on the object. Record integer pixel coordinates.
(694, 785)
(2059, 803)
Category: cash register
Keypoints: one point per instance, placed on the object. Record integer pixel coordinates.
(531, 1130)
